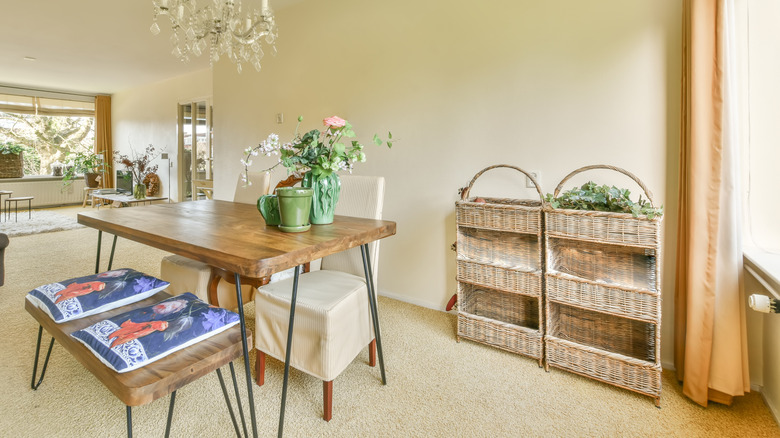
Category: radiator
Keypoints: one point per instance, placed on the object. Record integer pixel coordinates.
(46, 192)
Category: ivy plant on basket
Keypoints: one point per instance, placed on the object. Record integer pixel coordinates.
(318, 156)
(592, 196)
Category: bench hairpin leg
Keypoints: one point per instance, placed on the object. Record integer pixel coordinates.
(170, 415)
(238, 398)
(229, 404)
(249, 384)
(129, 422)
(97, 259)
(111, 257)
(372, 305)
(34, 385)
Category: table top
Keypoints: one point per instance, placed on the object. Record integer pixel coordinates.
(233, 236)
(126, 198)
(157, 379)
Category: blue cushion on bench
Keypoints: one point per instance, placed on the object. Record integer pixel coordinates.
(142, 336)
(84, 296)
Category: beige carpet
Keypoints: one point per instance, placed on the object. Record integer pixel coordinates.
(436, 386)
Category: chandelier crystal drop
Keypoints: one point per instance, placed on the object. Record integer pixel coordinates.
(219, 29)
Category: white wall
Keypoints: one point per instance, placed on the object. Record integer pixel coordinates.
(548, 86)
(148, 114)
(763, 340)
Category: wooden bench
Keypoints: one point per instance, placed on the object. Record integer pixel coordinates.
(153, 381)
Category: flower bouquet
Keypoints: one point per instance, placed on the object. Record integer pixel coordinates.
(139, 166)
(316, 156)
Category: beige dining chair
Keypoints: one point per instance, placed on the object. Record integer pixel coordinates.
(188, 275)
(332, 317)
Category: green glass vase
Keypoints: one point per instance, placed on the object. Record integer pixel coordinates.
(139, 192)
(325, 196)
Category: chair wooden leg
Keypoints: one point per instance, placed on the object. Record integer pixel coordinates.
(372, 353)
(327, 399)
(260, 368)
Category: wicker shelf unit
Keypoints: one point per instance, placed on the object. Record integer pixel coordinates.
(499, 271)
(603, 297)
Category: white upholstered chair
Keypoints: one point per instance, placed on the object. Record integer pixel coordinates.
(332, 317)
(188, 275)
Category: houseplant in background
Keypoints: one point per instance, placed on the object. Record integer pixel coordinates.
(139, 165)
(317, 156)
(89, 164)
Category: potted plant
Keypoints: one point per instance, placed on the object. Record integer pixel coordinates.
(139, 165)
(89, 164)
(11, 160)
(317, 156)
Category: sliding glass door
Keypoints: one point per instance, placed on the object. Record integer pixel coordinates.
(196, 151)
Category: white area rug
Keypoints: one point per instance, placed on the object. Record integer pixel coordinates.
(42, 221)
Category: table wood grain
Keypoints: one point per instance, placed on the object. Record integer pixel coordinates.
(233, 236)
(157, 379)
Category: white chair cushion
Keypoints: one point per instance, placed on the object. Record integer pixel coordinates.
(361, 196)
(332, 321)
(188, 275)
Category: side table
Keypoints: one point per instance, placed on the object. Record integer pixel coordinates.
(2, 193)
(16, 201)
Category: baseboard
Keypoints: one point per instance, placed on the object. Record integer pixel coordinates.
(406, 299)
(771, 406)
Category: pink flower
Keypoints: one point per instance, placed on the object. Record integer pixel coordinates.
(334, 122)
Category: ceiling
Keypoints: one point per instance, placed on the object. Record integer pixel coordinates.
(90, 46)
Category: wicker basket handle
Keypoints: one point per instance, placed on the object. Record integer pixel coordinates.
(464, 194)
(604, 166)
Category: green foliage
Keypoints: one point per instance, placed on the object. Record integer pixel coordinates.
(322, 153)
(51, 137)
(31, 159)
(10, 148)
(603, 198)
(83, 163)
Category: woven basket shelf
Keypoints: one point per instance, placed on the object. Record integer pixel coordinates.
(11, 165)
(503, 249)
(620, 266)
(500, 265)
(602, 294)
(501, 214)
(502, 319)
(604, 227)
(496, 277)
(636, 304)
(626, 372)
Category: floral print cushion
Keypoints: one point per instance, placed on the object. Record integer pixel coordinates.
(136, 338)
(84, 296)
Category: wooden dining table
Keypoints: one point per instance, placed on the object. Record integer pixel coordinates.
(233, 237)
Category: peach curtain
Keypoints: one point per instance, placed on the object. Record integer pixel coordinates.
(710, 335)
(103, 143)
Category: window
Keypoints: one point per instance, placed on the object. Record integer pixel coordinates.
(48, 128)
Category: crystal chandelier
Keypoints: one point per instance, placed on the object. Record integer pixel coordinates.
(218, 27)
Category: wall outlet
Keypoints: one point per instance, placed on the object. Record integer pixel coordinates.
(280, 118)
(537, 176)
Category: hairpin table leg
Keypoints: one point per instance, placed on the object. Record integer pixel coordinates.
(34, 385)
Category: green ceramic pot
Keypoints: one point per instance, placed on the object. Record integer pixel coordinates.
(294, 208)
(268, 206)
(324, 198)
